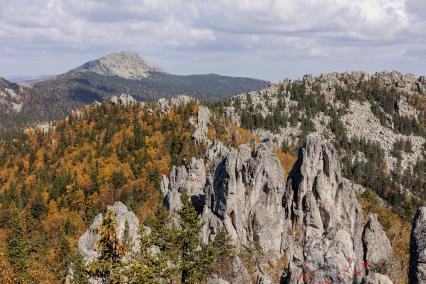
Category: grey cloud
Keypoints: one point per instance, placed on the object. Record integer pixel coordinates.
(270, 39)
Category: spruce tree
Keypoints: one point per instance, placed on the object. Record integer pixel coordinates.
(17, 247)
(188, 240)
(79, 271)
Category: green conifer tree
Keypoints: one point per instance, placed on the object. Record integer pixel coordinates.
(17, 247)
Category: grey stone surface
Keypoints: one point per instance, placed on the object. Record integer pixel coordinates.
(88, 241)
(377, 278)
(201, 121)
(245, 192)
(123, 99)
(418, 248)
(378, 246)
(405, 109)
(191, 179)
(326, 216)
(216, 280)
(165, 105)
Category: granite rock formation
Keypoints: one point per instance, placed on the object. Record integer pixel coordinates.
(88, 241)
(314, 219)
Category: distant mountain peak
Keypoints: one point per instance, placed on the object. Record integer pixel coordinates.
(125, 64)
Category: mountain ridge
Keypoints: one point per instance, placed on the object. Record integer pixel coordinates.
(112, 75)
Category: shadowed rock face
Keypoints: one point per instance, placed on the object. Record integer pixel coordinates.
(418, 248)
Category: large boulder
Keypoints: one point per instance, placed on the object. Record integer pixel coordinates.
(418, 248)
(87, 244)
(378, 246)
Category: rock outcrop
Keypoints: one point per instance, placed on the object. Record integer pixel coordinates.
(405, 109)
(244, 195)
(165, 105)
(201, 121)
(10, 98)
(192, 179)
(314, 220)
(418, 248)
(88, 241)
(361, 118)
(327, 221)
(123, 99)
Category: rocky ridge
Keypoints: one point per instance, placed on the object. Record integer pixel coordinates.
(359, 120)
(313, 219)
(382, 110)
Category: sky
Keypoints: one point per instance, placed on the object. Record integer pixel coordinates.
(269, 39)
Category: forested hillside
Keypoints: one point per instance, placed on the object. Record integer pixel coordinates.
(377, 123)
(230, 192)
(53, 183)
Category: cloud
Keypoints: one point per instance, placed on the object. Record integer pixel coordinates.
(387, 33)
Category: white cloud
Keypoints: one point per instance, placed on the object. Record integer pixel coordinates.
(210, 30)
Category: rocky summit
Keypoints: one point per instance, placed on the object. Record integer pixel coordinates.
(128, 65)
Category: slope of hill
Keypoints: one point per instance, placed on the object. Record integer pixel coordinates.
(286, 218)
